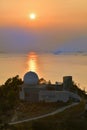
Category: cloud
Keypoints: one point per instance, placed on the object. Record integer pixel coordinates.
(47, 39)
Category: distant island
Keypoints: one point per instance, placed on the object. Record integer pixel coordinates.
(59, 52)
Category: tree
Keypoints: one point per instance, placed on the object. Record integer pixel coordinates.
(9, 94)
(42, 81)
(49, 82)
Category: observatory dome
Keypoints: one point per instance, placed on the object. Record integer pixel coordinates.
(31, 78)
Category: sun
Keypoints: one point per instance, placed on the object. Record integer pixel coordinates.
(32, 16)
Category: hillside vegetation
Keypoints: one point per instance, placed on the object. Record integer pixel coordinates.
(12, 108)
(70, 119)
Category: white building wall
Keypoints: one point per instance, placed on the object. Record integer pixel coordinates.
(21, 94)
(54, 96)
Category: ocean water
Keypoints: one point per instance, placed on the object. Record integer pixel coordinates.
(49, 66)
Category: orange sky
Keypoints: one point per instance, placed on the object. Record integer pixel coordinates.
(49, 12)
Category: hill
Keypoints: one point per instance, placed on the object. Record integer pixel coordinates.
(70, 119)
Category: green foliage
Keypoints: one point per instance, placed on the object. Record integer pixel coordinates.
(6, 126)
(42, 81)
(70, 119)
(9, 94)
(78, 90)
(65, 125)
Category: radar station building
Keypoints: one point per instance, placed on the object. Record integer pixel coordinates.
(32, 91)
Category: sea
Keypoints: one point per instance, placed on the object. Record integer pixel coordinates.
(49, 66)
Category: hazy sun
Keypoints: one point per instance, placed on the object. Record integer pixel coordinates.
(32, 16)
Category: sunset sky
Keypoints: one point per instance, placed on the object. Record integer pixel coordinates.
(58, 24)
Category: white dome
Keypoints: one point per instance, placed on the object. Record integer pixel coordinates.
(31, 78)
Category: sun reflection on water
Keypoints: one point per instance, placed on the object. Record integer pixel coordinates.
(32, 62)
